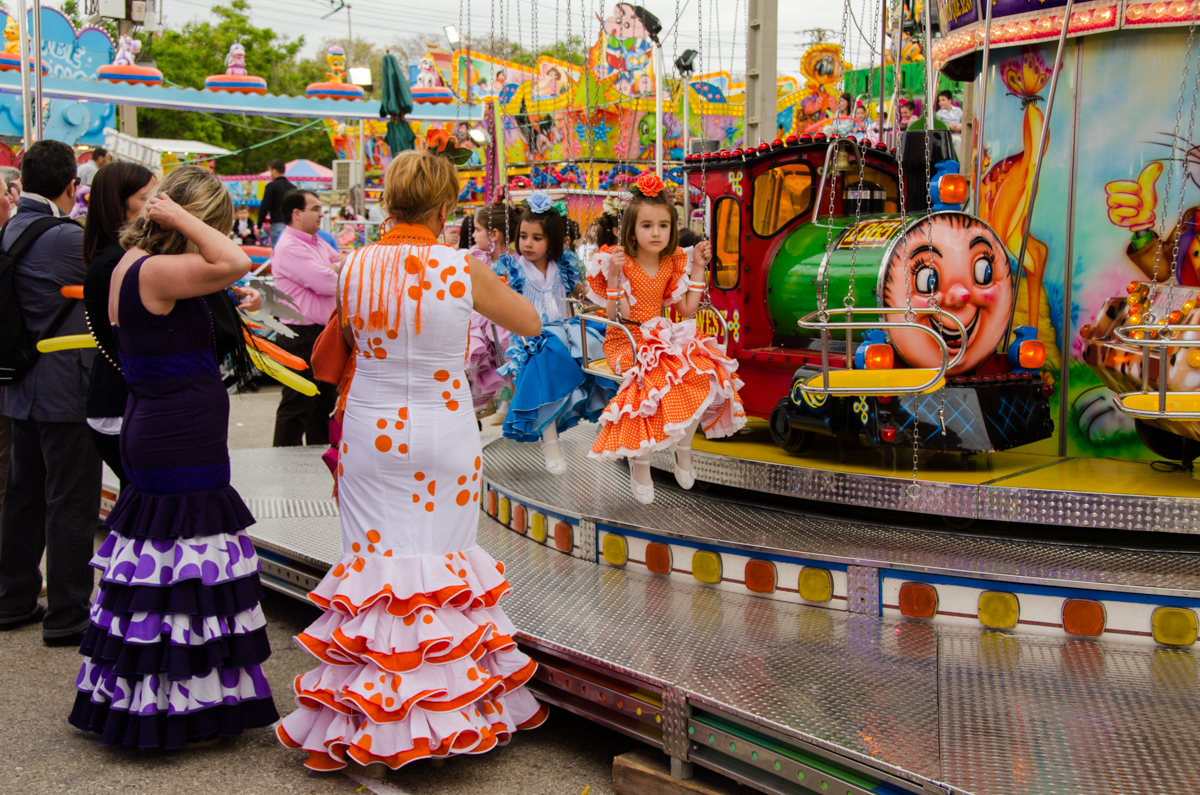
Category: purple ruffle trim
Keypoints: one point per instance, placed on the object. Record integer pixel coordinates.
(168, 732)
(176, 661)
(188, 597)
(200, 513)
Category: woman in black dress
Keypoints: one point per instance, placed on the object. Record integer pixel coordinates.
(119, 192)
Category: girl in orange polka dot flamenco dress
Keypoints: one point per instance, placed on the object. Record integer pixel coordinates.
(677, 382)
(416, 658)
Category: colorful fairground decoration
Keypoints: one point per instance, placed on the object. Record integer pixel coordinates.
(66, 53)
(594, 125)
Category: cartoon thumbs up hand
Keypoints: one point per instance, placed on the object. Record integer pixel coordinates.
(1131, 204)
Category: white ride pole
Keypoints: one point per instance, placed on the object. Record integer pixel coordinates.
(658, 111)
(30, 135)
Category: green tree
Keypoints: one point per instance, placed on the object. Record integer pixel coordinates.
(189, 54)
(574, 51)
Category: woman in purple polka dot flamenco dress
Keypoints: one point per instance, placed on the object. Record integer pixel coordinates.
(177, 636)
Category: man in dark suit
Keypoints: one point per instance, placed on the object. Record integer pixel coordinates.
(53, 496)
(272, 200)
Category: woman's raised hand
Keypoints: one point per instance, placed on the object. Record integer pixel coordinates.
(163, 211)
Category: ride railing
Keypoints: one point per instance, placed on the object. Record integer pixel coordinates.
(1160, 403)
(906, 381)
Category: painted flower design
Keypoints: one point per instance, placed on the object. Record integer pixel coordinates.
(540, 202)
(649, 184)
(1027, 75)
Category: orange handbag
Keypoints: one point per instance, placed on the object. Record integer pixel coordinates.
(330, 352)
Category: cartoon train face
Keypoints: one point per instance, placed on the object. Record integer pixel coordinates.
(954, 261)
(948, 259)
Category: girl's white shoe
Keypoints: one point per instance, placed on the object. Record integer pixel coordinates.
(685, 477)
(552, 452)
(555, 463)
(643, 492)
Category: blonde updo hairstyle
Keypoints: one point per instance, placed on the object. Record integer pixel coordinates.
(417, 185)
(196, 190)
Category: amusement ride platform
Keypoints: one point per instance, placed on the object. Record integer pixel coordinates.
(775, 646)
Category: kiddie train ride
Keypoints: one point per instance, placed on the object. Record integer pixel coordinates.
(936, 381)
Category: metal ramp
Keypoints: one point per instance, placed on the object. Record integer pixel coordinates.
(788, 697)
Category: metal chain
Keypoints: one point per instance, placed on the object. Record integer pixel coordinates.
(848, 301)
(933, 302)
(458, 105)
(700, 61)
(732, 54)
(675, 29)
(1149, 316)
(914, 490)
(1183, 187)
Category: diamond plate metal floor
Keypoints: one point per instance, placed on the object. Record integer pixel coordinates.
(977, 711)
(601, 490)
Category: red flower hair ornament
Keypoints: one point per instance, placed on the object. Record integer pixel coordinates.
(649, 185)
(438, 142)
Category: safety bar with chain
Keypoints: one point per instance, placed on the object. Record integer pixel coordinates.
(1163, 343)
(589, 314)
(811, 323)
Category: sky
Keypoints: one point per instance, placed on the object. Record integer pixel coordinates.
(722, 45)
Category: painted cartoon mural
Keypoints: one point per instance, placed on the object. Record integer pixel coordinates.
(1130, 253)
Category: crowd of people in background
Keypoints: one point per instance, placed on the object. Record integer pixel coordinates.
(853, 118)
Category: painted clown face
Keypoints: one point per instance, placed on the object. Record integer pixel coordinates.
(961, 263)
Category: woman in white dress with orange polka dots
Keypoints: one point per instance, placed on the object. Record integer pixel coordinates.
(416, 659)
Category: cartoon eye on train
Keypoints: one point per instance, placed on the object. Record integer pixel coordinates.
(802, 229)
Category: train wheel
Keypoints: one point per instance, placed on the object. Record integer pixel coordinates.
(1161, 443)
(792, 440)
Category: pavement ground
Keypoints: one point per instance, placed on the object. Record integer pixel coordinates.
(42, 753)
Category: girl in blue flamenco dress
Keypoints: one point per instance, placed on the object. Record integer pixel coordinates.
(551, 392)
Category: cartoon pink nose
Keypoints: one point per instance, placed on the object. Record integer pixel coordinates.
(956, 296)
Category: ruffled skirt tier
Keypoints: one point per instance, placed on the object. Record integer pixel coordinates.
(679, 380)
(416, 661)
(176, 635)
(551, 386)
(483, 359)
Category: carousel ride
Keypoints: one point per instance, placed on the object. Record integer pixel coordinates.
(815, 615)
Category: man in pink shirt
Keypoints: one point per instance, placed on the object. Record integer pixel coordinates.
(305, 267)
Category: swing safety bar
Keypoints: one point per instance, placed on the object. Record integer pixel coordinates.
(880, 382)
(1160, 405)
(721, 321)
(589, 315)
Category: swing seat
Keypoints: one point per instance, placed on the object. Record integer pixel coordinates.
(879, 382)
(1176, 403)
(600, 369)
